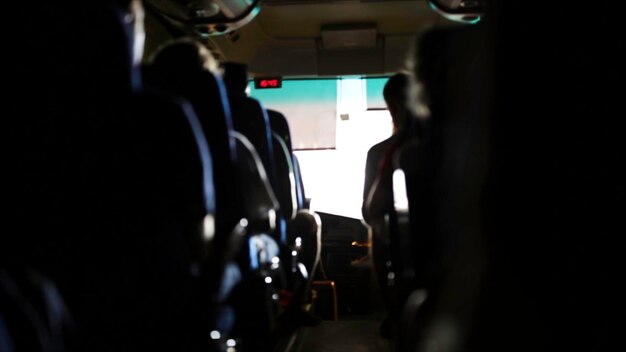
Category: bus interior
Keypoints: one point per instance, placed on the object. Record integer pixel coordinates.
(188, 175)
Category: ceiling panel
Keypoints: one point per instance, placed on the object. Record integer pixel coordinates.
(306, 18)
(284, 39)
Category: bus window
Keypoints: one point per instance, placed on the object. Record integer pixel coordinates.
(310, 106)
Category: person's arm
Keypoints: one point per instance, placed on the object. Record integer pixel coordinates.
(371, 171)
(380, 199)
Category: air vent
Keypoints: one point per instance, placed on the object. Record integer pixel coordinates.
(317, 2)
(202, 8)
(346, 37)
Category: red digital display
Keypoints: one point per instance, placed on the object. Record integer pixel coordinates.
(268, 83)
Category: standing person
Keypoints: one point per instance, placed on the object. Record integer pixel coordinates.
(395, 94)
(378, 187)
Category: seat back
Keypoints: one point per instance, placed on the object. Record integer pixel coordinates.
(250, 119)
(180, 68)
(258, 196)
(125, 178)
(280, 126)
(285, 178)
(33, 316)
(303, 227)
(249, 116)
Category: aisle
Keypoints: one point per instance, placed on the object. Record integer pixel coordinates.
(358, 335)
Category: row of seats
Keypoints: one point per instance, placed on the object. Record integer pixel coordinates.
(162, 202)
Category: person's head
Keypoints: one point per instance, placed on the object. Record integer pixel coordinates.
(236, 77)
(184, 55)
(444, 60)
(396, 98)
(111, 44)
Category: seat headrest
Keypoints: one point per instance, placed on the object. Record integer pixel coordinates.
(280, 125)
(182, 57)
(236, 77)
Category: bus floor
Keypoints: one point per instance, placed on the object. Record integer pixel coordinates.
(353, 332)
(345, 335)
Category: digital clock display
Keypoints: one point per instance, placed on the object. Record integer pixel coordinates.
(268, 83)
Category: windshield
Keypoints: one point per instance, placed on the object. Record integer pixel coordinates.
(333, 124)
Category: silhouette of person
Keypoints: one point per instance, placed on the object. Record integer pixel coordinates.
(378, 186)
(395, 94)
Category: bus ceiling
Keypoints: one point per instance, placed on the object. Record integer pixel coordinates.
(206, 17)
(312, 38)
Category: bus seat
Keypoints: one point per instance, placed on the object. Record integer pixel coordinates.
(33, 316)
(280, 126)
(249, 116)
(259, 199)
(303, 227)
(285, 178)
(305, 232)
(125, 181)
(181, 67)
